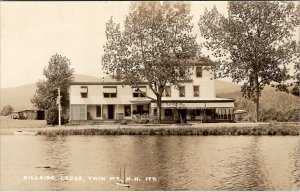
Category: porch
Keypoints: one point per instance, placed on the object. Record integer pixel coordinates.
(206, 110)
(101, 112)
(205, 115)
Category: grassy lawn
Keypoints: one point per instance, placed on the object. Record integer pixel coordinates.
(8, 123)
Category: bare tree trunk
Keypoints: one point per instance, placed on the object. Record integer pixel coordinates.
(158, 104)
(257, 108)
(257, 98)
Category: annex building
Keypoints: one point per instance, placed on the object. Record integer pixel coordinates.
(109, 100)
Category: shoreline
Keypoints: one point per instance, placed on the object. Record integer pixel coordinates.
(199, 129)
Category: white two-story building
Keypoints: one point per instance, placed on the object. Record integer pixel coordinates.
(108, 99)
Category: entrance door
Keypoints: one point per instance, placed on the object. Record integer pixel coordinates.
(111, 111)
(182, 113)
(139, 109)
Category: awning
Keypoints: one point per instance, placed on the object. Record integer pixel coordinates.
(181, 105)
(240, 111)
(109, 90)
(142, 89)
(141, 101)
(84, 89)
(196, 105)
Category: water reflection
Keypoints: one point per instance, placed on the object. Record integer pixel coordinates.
(177, 162)
(56, 154)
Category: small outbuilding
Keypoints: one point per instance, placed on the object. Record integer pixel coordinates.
(33, 114)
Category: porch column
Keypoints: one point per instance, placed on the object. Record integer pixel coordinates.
(117, 113)
(131, 112)
(101, 112)
(85, 112)
(70, 116)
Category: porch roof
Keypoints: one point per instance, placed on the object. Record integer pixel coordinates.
(193, 103)
(195, 100)
(140, 101)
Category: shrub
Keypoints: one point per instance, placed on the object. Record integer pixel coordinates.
(52, 116)
(141, 119)
(292, 115)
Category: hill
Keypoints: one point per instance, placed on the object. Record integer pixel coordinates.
(226, 87)
(19, 97)
(274, 105)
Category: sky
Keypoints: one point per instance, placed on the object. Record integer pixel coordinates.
(31, 32)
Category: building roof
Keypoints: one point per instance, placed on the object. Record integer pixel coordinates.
(202, 61)
(109, 80)
(19, 109)
(183, 100)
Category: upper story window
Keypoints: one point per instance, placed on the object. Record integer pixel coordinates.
(167, 92)
(139, 91)
(196, 91)
(182, 91)
(84, 91)
(109, 91)
(198, 71)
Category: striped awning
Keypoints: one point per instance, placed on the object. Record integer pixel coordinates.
(140, 101)
(110, 90)
(142, 89)
(84, 89)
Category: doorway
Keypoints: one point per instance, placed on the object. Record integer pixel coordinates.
(139, 109)
(111, 111)
(182, 114)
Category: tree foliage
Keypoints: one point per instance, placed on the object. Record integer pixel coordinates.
(254, 44)
(58, 74)
(7, 110)
(154, 47)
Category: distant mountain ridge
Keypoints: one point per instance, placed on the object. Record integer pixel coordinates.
(226, 87)
(19, 97)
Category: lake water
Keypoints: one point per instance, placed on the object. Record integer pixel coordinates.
(152, 162)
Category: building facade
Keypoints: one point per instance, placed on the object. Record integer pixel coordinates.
(110, 100)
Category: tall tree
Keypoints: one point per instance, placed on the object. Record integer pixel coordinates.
(59, 74)
(154, 47)
(254, 44)
(6, 110)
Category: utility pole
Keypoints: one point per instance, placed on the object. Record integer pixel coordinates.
(59, 107)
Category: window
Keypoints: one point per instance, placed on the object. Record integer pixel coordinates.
(139, 91)
(181, 91)
(197, 112)
(84, 91)
(168, 91)
(109, 92)
(98, 111)
(168, 112)
(109, 95)
(127, 110)
(196, 91)
(198, 71)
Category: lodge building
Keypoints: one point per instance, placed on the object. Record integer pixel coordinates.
(108, 99)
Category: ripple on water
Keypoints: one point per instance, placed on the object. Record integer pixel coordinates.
(178, 162)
